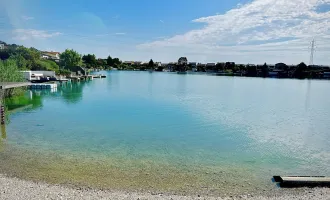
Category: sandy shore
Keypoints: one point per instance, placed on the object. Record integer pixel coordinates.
(13, 188)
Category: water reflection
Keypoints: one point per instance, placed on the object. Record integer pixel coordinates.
(3, 132)
(72, 92)
(3, 137)
(22, 102)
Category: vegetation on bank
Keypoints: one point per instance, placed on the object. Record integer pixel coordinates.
(30, 59)
(9, 73)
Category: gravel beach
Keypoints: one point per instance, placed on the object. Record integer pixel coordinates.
(13, 188)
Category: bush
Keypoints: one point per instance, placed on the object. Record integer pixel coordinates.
(47, 65)
(9, 73)
(63, 72)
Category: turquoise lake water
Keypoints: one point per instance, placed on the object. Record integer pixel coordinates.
(263, 126)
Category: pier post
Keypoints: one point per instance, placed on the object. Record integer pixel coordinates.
(2, 115)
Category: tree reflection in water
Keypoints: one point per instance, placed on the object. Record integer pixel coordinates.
(70, 93)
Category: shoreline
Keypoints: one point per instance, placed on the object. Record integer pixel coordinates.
(14, 188)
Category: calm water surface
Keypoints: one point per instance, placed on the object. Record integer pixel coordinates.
(140, 122)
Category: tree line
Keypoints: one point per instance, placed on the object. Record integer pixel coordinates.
(30, 59)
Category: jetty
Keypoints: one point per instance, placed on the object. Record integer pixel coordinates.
(302, 181)
(43, 86)
(85, 77)
(12, 85)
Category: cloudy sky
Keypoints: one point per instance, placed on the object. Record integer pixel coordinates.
(243, 31)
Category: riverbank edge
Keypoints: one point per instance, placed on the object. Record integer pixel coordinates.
(14, 188)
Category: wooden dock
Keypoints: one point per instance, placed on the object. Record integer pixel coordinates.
(11, 85)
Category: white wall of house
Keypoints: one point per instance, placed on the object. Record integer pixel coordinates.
(35, 75)
(2, 46)
(210, 64)
(49, 55)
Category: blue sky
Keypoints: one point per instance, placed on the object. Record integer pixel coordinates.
(243, 31)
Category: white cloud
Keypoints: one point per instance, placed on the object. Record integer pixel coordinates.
(25, 18)
(25, 34)
(120, 33)
(280, 29)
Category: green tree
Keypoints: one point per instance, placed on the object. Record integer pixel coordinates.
(300, 71)
(219, 67)
(110, 61)
(151, 64)
(230, 65)
(101, 63)
(251, 70)
(116, 62)
(31, 55)
(89, 60)
(47, 65)
(70, 58)
(20, 61)
(264, 70)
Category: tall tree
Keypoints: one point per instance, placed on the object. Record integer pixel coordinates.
(151, 64)
(110, 61)
(21, 62)
(182, 63)
(31, 55)
(264, 70)
(90, 60)
(299, 72)
(251, 70)
(116, 62)
(219, 67)
(70, 58)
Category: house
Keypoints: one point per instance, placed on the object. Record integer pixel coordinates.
(171, 66)
(193, 66)
(326, 75)
(50, 55)
(158, 64)
(281, 66)
(210, 64)
(128, 63)
(37, 75)
(2, 46)
(210, 67)
(271, 66)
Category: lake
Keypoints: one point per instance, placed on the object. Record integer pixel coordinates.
(164, 132)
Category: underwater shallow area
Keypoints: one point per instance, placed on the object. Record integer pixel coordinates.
(170, 133)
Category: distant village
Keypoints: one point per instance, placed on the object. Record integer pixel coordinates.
(279, 70)
(182, 66)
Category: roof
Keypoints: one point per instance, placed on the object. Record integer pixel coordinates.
(51, 52)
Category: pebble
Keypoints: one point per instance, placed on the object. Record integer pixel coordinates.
(13, 188)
